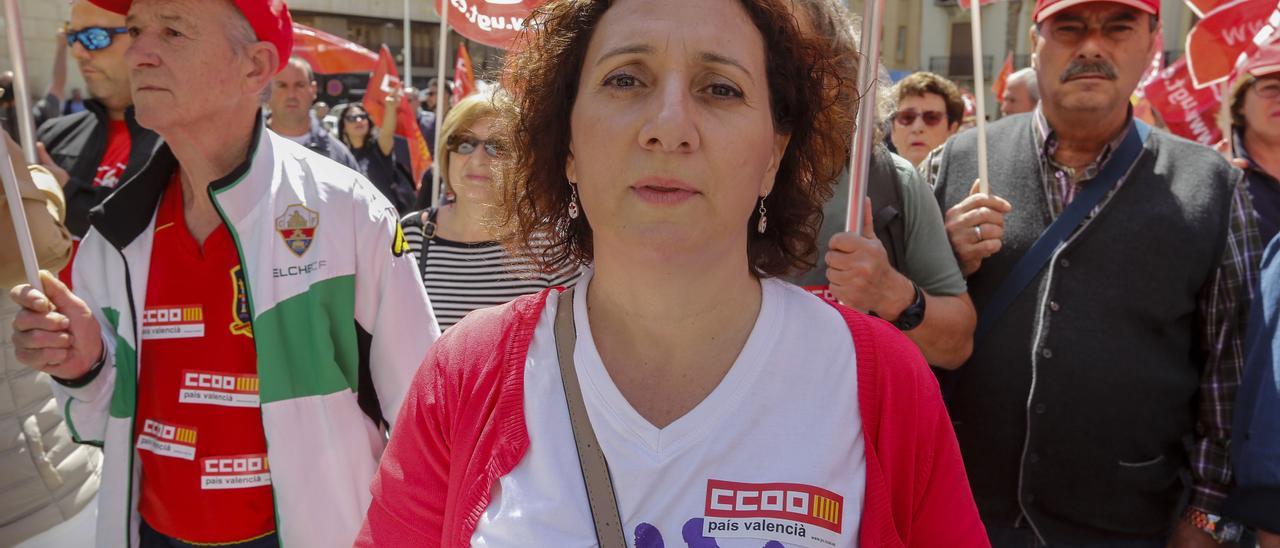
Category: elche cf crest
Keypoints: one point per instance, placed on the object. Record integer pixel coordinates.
(297, 226)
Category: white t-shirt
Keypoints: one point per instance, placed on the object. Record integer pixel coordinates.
(772, 457)
(300, 139)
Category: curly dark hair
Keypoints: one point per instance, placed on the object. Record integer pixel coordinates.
(804, 79)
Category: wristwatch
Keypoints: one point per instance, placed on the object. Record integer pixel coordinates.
(912, 316)
(1213, 525)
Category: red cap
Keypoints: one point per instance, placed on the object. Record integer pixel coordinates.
(1265, 62)
(270, 20)
(1046, 8)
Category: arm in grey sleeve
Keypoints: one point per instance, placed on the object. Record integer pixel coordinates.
(931, 264)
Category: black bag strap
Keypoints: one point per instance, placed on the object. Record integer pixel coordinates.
(1030, 265)
(887, 217)
(426, 219)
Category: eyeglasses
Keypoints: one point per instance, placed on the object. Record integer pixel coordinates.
(907, 117)
(355, 117)
(1267, 89)
(93, 38)
(466, 144)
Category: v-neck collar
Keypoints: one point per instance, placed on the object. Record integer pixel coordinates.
(173, 217)
(669, 441)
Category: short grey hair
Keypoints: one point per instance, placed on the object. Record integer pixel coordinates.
(1028, 77)
(241, 35)
(304, 66)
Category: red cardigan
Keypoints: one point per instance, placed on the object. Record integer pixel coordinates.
(462, 427)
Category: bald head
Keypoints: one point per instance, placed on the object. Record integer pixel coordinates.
(105, 71)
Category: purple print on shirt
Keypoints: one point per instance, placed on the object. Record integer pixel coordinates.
(648, 536)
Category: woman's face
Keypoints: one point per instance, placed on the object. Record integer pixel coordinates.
(471, 175)
(1261, 108)
(673, 141)
(357, 122)
(921, 126)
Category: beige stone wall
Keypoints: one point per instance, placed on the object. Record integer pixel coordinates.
(40, 20)
(900, 45)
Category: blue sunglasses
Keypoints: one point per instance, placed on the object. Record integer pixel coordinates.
(93, 38)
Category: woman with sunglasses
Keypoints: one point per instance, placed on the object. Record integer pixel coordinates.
(464, 265)
(929, 111)
(680, 393)
(374, 149)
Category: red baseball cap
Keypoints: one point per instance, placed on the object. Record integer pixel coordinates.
(1046, 8)
(1265, 62)
(270, 20)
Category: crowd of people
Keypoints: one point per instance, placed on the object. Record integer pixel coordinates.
(635, 316)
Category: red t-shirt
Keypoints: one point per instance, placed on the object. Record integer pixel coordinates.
(205, 475)
(110, 170)
(119, 143)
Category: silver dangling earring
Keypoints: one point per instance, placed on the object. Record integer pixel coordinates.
(764, 221)
(573, 201)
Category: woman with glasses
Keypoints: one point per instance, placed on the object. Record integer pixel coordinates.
(680, 394)
(374, 149)
(929, 111)
(464, 266)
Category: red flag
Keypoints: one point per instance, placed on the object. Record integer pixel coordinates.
(385, 80)
(464, 80)
(329, 54)
(492, 22)
(1201, 7)
(970, 109)
(1188, 112)
(968, 4)
(1216, 43)
(1002, 81)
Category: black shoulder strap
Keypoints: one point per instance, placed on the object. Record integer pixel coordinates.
(1057, 234)
(885, 192)
(428, 219)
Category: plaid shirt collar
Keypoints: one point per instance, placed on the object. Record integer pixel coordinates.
(1239, 151)
(1047, 139)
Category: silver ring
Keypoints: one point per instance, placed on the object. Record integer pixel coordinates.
(978, 230)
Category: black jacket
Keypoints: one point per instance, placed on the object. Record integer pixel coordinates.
(76, 143)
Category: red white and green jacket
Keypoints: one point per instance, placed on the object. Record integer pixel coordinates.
(340, 321)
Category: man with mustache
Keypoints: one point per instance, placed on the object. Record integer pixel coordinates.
(1111, 267)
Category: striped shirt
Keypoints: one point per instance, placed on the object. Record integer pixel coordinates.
(461, 277)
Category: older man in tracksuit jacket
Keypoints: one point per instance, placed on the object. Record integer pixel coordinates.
(254, 302)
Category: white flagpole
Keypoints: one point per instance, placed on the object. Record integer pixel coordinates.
(440, 101)
(407, 51)
(864, 130)
(17, 56)
(18, 215)
(979, 92)
(13, 195)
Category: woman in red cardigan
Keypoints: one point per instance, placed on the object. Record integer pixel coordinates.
(679, 394)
